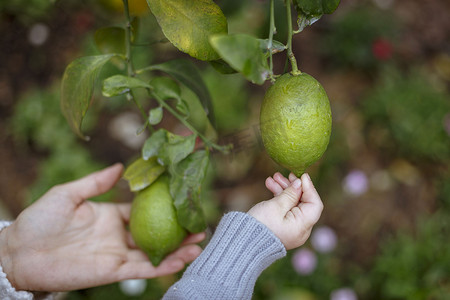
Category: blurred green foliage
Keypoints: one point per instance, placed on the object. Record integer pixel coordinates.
(27, 10)
(350, 42)
(281, 276)
(38, 123)
(229, 98)
(412, 108)
(416, 265)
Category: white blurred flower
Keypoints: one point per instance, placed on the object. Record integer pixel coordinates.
(323, 239)
(355, 183)
(304, 261)
(124, 127)
(343, 294)
(133, 287)
(38, 34)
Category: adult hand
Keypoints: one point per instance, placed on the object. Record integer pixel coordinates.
(63, 242)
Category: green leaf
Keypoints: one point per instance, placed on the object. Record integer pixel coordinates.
(329, 6)
(189, 24)
(222, 67)
(185, 188)
(176, 148)
(183, 108)
(110, 40)
(119, 84)
(277, 46)
(77, 87)
(141, 173)
(187, 73)
(135, 28)
(166, 88)
(154, 143)
(155, 115)
(315, 8)
(244, 54)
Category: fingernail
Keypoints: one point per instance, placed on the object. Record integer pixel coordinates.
(297, 183)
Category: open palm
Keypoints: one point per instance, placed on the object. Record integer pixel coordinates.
(63, 242)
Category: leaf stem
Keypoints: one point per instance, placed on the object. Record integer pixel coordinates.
(208, 143)
(270, 45)
(295, 70)
(163, 40)
(148, 68)
(130, 68)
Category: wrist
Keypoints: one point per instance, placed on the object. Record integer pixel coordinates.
(6, 256)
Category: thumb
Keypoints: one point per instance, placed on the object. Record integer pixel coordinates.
(311, 204)
(290, 196)
(93, 184)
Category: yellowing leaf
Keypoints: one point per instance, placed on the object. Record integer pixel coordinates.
(77, 87)
(188, 24)
(141, 173)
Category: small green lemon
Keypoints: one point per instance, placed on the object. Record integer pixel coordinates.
(295, 121)
(153, 221)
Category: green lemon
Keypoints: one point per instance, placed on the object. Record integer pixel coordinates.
(153, 221)
(295, 121)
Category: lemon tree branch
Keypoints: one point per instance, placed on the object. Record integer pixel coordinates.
(130, 68)
(295, 70)
(270, 45)
(208, 143)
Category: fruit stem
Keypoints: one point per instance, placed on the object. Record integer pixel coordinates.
(270, 45)
(295, 70)
(130, 68)
(208, 143)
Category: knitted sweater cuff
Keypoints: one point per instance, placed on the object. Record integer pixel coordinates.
(8, 292)
(240, 249)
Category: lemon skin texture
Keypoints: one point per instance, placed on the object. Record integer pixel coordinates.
(153, 221)
(295, 121)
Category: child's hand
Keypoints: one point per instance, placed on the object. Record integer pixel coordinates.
(294, 210)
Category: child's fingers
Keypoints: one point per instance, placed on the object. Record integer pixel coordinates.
(273, 186)
(290, 197)
(281, 180)
(311, 204)
(292, 177)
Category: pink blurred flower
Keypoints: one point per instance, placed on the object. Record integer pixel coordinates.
(304, 261)
(355, 183)
(343, 294)
(323, 239)
(382, 49)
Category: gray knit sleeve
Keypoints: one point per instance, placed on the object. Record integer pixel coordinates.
(228, 268)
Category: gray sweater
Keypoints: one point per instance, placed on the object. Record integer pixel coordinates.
(240, 249)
